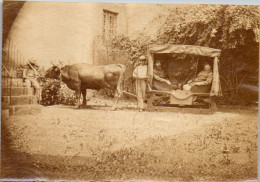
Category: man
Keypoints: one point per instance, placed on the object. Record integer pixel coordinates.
(158, 73)
(202, 82)
(30, 75)
(140, 74)
(159, 82)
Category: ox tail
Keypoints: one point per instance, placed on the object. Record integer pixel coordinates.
(120, 83)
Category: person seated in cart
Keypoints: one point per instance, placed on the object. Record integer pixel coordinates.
(202, 82)
(160, 82)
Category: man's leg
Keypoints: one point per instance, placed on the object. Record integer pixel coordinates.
(37, 88)
(138, 93)
(143, 89)
(27, 83)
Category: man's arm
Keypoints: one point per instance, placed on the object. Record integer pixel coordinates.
(190, 81)
(156, 77)
(135, 72)
(24, 73)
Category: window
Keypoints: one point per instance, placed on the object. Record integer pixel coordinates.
(109, 24)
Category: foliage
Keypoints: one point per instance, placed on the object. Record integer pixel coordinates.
(50, 91)
(56, 92)
(232, 81)
(19, 71)
(218, 26)
(134, 46)
(226, 27)
(239, 84)
(106, 92)
(232, 28)
(66, 96)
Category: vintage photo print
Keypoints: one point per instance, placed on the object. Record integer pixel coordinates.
(129, 92)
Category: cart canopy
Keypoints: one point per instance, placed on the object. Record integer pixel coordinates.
(188, 49)
(185, 49)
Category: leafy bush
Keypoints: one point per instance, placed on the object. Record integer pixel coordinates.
(66, 96)
(231, 80)
(56, 92)
(219, 26)
(134, 46)
(106, 92)
(50, 91)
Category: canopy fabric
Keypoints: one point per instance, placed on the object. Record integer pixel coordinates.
(150, 69)
(216, 86)
(185, 49)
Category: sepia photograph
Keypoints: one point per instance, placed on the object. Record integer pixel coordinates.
(95, 91)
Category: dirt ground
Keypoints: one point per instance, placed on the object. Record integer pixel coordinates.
(98, 144)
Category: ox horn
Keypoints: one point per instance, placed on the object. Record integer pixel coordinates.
(52, 62)
(61, 63)
(57, 63)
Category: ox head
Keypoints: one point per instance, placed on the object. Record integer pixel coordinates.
(54, 71)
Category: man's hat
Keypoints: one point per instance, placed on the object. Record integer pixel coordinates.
(142, 57)
(33, 63)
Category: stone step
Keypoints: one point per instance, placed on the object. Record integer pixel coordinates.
(4, 113)
(14, 82)
(16, 91)
(20, 100)
(25, 109)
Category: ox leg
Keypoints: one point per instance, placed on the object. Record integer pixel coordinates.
(116, 101)
(118, 94)
(78, 92)
(84, 93)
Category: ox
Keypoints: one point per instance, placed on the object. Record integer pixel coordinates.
(82, 76)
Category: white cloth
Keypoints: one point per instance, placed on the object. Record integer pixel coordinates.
(186, 87)
(140, 92)
(140, 72)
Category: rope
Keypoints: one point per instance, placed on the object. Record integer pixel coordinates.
(34, 68)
